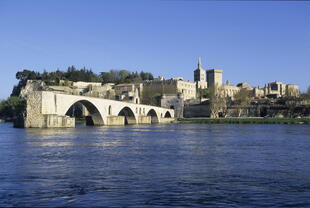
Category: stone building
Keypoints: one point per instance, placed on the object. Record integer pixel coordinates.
(171, 86)
(173, 101)
(130, 92)
(258, 92)
(275, 89)
(104, 91)
(214, 77)
(292, 90)
(230, 90)
(200, 76)
(279, 89)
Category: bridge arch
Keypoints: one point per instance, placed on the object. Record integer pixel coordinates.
(94, 117)
(129, 115)
(167, 115)
(154, 116)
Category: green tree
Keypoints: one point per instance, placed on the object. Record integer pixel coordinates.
(217, 101)
(146, 76)
(23, 77)
(242, 99)
(12, 108)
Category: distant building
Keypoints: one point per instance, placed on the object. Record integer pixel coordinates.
(292, 90)
(200, 76)
(173, 101)
(230, 90)
(275, 89)
(130, 92)
(258, 92)
(214, 77)
(171, 86)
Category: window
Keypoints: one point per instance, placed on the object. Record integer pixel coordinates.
(110, 110)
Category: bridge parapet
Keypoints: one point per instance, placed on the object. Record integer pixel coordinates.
(44, 108)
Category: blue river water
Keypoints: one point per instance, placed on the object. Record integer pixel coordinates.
(174, 165)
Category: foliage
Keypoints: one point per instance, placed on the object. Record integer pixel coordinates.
(124, 76)
(85, 75)
(73, 74)
(151, 98)
(242, 99)
(12, 107)
(204, 93)
(23, 76)
(217, 101)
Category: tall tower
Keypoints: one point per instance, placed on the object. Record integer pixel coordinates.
(199, 73)
(214, 77)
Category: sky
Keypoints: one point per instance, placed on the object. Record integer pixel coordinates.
(251, 41)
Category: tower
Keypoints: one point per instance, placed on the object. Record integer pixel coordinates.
(200, 76)
(199, 73)
(214, 77)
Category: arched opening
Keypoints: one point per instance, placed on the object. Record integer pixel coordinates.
(129, 115)
(167, 114)
(85, 112)
(154, 117)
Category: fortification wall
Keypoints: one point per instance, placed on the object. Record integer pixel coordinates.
(200, 110)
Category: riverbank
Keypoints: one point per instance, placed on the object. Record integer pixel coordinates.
(244, 120)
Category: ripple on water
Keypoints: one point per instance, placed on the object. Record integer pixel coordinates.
(156, 166)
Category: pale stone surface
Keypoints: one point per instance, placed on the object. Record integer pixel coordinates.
(144, 120)
(171, 86)
(167, 120)
(41, 103)
(115, 120)
(55, 121)
(214, 77)
(175, 102)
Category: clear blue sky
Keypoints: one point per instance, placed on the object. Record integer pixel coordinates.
(253, 41)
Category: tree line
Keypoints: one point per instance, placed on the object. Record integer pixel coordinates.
(75, 75)
(14, 106)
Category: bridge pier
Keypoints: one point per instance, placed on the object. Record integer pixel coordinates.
(47, 109)
(144, 119)
(115, 120)
(130, 120)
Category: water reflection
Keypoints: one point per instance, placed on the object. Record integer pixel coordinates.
(156, 166)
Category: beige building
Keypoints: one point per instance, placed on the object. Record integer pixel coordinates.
(214, 77)
(279, 89)
(103, 91)
(171, 86)
(292, 90)
(258, 92)
(130, 92)
(200, 76)
(230, 90)
(275, 89)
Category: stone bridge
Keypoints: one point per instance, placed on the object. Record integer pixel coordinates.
(50, 109)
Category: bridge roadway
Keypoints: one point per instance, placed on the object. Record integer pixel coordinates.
(50, 109)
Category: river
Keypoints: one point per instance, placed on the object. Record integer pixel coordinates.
(174, 165)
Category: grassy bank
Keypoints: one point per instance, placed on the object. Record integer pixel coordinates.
(245, 120)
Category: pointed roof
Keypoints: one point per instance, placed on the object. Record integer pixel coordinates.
(199, 63)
